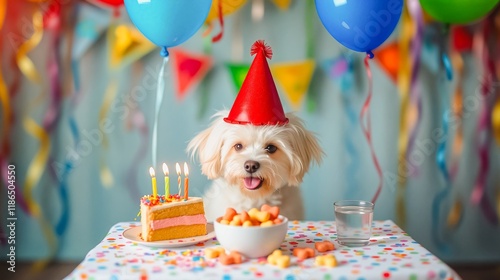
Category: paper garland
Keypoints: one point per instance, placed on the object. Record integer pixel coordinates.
(294, 78)
(189, 69)
(238, 73)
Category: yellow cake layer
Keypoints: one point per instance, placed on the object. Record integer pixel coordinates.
(180, 210)
(176, 232)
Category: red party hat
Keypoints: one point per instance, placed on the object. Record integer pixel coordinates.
(258, 102)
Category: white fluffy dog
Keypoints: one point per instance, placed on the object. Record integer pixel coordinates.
(254, 165)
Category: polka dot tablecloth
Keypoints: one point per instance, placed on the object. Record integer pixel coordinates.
(391, 254)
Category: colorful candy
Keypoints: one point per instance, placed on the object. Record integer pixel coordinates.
(324, 246)
(326, 260)
(303, 253)
(278, 259)
(233, 258)
(267, 216)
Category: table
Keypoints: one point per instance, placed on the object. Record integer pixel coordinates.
(391, 254)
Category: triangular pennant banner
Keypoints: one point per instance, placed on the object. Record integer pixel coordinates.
(294, 78)
(335, 67)
(90, 24)
(387, 57)
(189, 69)
(126, 45)
(282, 4)
(461, 39)
(238, 74)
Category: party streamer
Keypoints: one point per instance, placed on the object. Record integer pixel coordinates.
(441, 151)
(478, 195)
(7, 120)
(366, 125)
(404, 86)
(456, 212)
(110, 94)
(415, 11)
(33, 175)
(159, 99)
(217, 37)
(24, 63)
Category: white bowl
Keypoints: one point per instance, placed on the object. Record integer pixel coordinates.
(252, 242)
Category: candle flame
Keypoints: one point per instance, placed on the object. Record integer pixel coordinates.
(165, 169)
(178, 169)
(151, 172)
(186, 170)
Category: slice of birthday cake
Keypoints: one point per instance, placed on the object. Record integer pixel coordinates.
(172, 218)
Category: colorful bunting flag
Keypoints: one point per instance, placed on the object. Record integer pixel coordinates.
(126, 45)
(189, 69)
(91, 22)
(238, 74)
(282, 4)
(387, 57)
(294, 78)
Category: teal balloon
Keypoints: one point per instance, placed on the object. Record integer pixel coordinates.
(168, 23)
(360, 25)
(458, 11)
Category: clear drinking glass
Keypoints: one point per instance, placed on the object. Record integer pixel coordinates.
(354, 222)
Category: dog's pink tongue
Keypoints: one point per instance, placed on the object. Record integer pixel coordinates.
(252, 183)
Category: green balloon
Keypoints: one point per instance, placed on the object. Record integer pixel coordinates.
(458, 11)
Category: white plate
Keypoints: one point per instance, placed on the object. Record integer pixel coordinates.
(133, 234)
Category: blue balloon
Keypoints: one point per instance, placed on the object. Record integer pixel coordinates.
(360, 25)
(168, 23)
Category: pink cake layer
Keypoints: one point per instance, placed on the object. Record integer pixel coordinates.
(178, 221)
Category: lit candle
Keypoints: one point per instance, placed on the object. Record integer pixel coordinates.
(186, 182)
(167, 181)
(153, 182)
(178, 169)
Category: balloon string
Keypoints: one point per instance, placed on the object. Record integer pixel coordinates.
(217, 37)
(159, 99)
(366, 125)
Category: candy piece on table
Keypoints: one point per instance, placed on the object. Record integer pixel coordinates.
(274, 211)
(303, 253)
(326, 260)
(324, 246)
(233, 258)
(230, 213)
(267, 224)
(247, 224)
(212, 253)
(278, 259)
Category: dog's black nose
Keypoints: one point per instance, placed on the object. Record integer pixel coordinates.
(251, 166)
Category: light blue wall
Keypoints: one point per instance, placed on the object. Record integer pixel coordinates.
(94, 208)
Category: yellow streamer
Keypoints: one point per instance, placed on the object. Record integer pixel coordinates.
(110, 94)
(404, 76)
(495, 120)
(456, 211)
(4, 94)
(33, 175)
(23, 61)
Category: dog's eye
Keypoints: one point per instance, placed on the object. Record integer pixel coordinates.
(238, 147)
(271, 149)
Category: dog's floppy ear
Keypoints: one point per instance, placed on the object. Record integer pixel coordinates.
(305, 146)
(207, 144)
